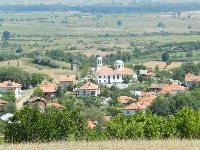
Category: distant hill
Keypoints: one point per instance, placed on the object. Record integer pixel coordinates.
(85, 2)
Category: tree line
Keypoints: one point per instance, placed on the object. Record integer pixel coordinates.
(30, 125)
(148, 8)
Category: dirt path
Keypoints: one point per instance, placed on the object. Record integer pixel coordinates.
(25, 96)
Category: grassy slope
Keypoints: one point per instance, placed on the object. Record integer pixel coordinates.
(110, 145)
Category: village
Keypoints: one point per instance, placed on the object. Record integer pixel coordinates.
(46, 95)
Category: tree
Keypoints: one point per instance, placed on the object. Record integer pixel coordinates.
(19, 50)
(126, 79)
(189, 54)
(6, 35)
(38, 92)
(165, 56)
(119, 23)
(168, 62)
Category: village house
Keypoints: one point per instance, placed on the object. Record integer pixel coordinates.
(11, 86)
(142, 105)
(2, 102)
(171, 89)
(89, 89)
(107, 75)
(49, 89)
(37, 101)
(124, 99)
(146, 73)
(65, 81)
(189, 78)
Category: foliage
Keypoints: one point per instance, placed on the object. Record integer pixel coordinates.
(38, 92)
(165, 56)
(46, 61)
(17, 75)
(188, 67)
(6, 35)
(127, 78)
(30, 125)
(169, 106)
(37, 78)
(119, 23)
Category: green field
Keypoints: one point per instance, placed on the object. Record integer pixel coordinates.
(88, 31)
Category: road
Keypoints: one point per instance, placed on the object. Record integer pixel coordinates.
(25, 96)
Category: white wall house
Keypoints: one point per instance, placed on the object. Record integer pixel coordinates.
(103, 74)
(11, 86)
(89, 89)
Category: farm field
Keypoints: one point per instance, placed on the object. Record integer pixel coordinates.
(111, 145)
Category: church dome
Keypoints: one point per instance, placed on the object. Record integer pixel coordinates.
(119, 62)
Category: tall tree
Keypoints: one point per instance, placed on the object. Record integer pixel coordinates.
(6, 35)
(165, 56)
(119, 23)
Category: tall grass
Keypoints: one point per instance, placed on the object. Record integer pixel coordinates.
(109, 145)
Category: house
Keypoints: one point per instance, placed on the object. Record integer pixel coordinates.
(11, 86)
(124, 99)
(54, 104)
(143, 72)
(189, 78)
(67, 80)
(92, 124)
(134, 108)
(142, 105)
(37, 101)
(151, 75)
(89, 89)
(2, 102)
(49, 89)
(172, 89)
(141, 94)
(107, 75)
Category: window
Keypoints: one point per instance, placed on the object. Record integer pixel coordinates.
(104, 76)
(92, 93)
(104, 81)
(83, 92)
(113, 77)
(127, 112)
(117, 76)
(99, 81)
(99, 76)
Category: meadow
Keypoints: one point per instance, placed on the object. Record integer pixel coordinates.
(109, 145)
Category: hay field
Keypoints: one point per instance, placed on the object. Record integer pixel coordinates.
(109, 145)
(161, 65)
(31, 68)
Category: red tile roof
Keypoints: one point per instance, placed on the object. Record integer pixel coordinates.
(109, 71)
(91, 124)
(34, 99)
(49, 87)
(136, 106)
(124, 99)
(55, 104)
(3, 102)
(89, 86)
(10, 85)
(150, 74)
(67, 78)
(191, 77)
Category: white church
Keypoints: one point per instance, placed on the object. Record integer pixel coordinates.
(106, 75)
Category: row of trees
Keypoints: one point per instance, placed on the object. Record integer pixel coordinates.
(30, 125)
(46, 61)
(154, 7)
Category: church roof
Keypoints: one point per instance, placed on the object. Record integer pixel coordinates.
(109, 71)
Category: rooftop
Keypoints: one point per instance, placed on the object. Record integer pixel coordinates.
(67, 78)
(89, 86)
(109, 71)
